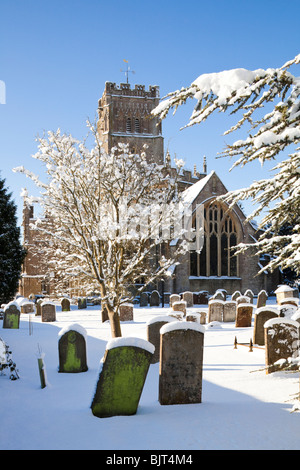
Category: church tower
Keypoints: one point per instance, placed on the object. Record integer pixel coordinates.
(125, 117)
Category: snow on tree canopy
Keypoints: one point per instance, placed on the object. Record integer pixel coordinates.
(182, 325)
(130, 341)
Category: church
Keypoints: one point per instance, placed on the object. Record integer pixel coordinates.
(124, 115)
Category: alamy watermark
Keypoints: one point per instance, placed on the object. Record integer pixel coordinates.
(2, 92)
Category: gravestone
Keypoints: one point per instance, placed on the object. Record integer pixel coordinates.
(235, 295)
(215, 310)
(289, 301)
(219, 295)
(153, 333)
(261, 299)
(65, 304)
(229, 314)
(242, 299)
(195, 317)
(281, 341)
(27, 307)
(81, 303)
(181, 363)
(154, 299)
(261, 316)
(144, 299)
(188, 298)
(243, 315)
(38, 307)
(11, 316)
(201, 297)
(249, 294)
(72, 349)
(203, 316)
(122, 376)
(282, 292)
(287, 310)
(48, 311)
(179, 307)
(126, 312)
(174, 298)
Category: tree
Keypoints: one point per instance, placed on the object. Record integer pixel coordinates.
(272, 132)
(107, 217)
(11, 251)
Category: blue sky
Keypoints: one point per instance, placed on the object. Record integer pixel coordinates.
(56, 56)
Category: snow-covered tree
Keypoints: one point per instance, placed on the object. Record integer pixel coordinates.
(268, 106)
(106, 217)
(11, 251)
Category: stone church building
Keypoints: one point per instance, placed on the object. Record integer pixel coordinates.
(125, 116)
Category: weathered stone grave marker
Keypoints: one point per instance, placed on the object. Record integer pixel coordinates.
(126, 312)
(154, 299)
(72, 349)
(243, 315)
(121, 380)
(215, 310)
(144, 299)
(281, 341)
(153, 333)
(65, 304)
(261, 299)
(188, 298)
(229, 313)
(48, 311)
(261, 316)
(181, 363)
(11, 316)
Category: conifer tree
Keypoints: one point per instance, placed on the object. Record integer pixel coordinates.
(11, 251)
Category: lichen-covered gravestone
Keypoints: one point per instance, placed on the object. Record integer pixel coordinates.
(65, 304)
(81, 303)
(181, 363)
(72, 349)
(11, 316)
(153, 333)
(122, 376)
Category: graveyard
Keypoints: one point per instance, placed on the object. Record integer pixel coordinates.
(206, 387)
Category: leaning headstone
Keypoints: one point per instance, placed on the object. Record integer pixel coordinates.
(215, 310)
(126, 312)
(181, 363)
(188, 298)
(281, 341)
(261, 316)
(261, 299)
(72, 349)
(81, 303)
(179, 307)
(122, 376)
(243, 315)
(65, 304)
(153, 333)
(48, 311)
(229, 314)
(235, 295)
(174, 298)
(11, 316)
(154, 299)
(144, 299)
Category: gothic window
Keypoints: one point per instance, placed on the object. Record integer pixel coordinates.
(128, 125)
(220, 235)
(137, 126)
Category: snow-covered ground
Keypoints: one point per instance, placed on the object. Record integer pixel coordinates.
(242, 407)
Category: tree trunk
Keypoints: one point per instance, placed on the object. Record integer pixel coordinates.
(115, 324)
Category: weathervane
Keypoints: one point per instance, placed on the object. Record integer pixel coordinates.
(127, 71)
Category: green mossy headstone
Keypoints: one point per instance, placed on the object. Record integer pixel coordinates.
(121, 380)
(11, 317)
(72, 350)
